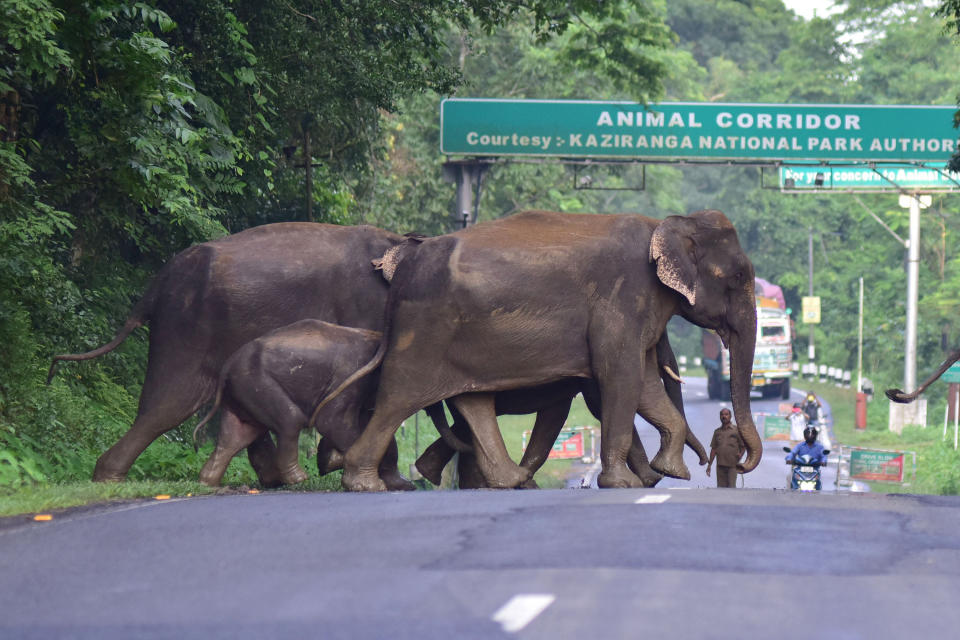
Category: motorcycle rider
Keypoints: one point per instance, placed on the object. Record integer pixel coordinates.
(809, 447)
(811, 408)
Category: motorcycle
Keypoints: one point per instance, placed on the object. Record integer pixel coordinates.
(805, 475)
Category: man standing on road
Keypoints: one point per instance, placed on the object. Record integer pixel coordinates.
(727, 447)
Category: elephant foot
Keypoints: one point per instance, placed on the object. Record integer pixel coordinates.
(210, 480)
(508, 477)
(295, 475)
(619, 478)
(396, 482)
(672, 466)
(429, 471)
(353, 480)
(649, 478)
(469, 474)
(431, 462)
(102, 474)
(529, 484)
(329, 458)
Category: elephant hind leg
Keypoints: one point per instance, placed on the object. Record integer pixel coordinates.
(235, 434)
(491, 453)
(389, 472)
(262, 454)
(329, 457)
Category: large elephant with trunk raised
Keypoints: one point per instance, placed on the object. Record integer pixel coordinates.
(542, 296)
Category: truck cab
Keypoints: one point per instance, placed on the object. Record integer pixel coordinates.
(772, 361)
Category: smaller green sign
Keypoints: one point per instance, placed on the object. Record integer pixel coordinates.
(952, 374)
(876, 466)
(932, 176)
(776, 428)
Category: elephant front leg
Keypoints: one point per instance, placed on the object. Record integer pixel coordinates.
(657, 409)
(495, 464)
(639, 463)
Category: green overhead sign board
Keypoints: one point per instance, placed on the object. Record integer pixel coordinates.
(696, 131)
(932, 176)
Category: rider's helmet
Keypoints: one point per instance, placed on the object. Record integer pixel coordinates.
(811, 397)
(810, 435)
(796, 407)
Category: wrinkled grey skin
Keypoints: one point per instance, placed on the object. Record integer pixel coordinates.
(552, 404)
(212, 298)
(273, 383)
(540, 296)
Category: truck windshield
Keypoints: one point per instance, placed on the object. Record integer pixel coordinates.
(775, 331)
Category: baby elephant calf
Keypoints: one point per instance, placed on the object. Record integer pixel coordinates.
(274, 382)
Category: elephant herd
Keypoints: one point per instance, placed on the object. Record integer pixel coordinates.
(354, 329)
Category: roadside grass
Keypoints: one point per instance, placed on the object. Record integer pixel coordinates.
(938, 464)
(412, 438)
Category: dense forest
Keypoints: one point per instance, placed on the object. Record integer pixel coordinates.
(131, 130)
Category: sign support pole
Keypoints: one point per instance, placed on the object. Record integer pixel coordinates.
(913, 282)
(914, 203)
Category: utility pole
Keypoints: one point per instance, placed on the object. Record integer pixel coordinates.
(914, 203)
(811, 351)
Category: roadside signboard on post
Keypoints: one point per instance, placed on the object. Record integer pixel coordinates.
(810, 311)
(569, 444)
(878, 465)
(672, 131)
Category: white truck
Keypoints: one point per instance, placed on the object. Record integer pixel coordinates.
(773, 357)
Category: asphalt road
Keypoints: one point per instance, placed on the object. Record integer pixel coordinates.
(706, 563)
(700, 563)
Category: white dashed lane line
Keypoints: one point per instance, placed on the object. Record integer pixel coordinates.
(653, 498)
(521, 609)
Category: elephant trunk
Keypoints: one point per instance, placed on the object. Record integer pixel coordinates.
(742, 344)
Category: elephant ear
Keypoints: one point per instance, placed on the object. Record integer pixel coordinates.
(671, 247)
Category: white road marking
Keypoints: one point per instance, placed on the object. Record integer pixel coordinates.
(655, 498)
(521, 609)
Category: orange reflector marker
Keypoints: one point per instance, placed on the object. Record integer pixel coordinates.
(253, 491)
(43, 517)
(162, 497)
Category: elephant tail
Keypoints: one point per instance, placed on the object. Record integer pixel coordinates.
(209, 416)
(363, 371)
(137, 318)
(435, 411)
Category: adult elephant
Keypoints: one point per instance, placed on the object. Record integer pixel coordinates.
(898, 395)
(542, 296)
(552, 403)
(212, 298)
